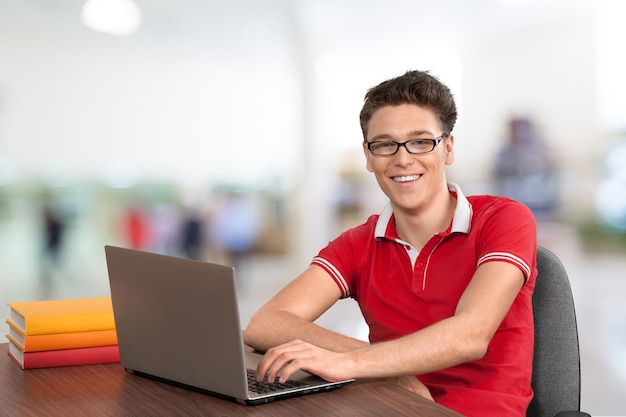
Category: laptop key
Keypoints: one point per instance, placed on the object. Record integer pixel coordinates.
(264, 387)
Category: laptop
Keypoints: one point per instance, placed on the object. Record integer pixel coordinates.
(177, 321)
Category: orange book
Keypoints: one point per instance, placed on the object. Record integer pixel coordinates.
(54, 341)
(62, 316)
(64, 357)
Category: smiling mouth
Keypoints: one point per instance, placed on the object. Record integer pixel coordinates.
(406, 178)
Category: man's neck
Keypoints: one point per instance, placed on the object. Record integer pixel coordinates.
(418, 227)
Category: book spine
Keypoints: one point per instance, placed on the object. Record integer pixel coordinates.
(58, 341)
(69, 357)
(70, 323)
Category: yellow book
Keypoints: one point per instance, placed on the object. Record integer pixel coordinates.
(62, 316)
(56, 341)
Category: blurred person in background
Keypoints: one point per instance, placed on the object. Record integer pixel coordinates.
(192, 234)
(444, 281)
(526, 171)
(135, 227)
(235, 226)
(53, 235)
(164, 224)
(54, 230)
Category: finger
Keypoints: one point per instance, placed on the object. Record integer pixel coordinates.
(277, 368)
(277, 358)
(268, 368)
(263, 366)
(267, 361)
(291, 367)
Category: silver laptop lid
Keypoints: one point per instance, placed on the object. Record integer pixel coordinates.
(178, 319)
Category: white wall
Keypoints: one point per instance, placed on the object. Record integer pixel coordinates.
(276, 86)
(76, 102)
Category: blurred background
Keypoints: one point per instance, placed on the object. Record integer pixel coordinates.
(228, 131)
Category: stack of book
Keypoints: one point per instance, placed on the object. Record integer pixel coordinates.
(44, 334)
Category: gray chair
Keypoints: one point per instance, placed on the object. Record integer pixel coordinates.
(556, 364)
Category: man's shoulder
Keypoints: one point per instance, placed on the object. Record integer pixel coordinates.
(485, 207)
(492, 201)
(364, 229)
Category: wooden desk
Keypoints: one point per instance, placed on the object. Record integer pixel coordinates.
(108, 390)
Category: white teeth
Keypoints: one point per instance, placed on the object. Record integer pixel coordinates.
(406, 178)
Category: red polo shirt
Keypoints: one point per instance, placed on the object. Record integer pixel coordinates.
(401, 291)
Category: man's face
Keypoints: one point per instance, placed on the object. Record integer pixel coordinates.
(410, 181)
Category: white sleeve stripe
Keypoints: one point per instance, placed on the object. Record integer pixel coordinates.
(505, 256)
(334, 273)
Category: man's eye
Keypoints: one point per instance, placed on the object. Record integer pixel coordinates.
(383, 145)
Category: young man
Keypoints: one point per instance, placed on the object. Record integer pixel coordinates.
(444, 281)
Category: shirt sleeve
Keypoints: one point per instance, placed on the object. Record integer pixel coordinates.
(509, 235)
(345, 256)
(322, 261)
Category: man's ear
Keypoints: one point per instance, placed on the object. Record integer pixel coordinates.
(449, 150)
(368, 158)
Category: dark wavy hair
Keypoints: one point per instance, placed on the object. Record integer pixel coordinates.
(414, 87)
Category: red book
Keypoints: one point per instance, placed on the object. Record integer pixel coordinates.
(64, 357)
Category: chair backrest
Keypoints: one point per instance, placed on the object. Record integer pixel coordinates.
(556, 363)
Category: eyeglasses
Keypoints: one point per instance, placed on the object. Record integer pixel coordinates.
(413, 146)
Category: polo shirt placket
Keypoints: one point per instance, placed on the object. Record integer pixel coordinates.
(420, 260)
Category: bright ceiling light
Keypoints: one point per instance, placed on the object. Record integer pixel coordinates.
(115, 17)
(515, 3)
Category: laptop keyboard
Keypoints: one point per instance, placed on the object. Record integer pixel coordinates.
(265, 387)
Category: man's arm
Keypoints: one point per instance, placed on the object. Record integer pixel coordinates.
(461, 338)
(290, 314)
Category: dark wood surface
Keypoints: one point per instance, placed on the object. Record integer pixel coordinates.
(108, 390)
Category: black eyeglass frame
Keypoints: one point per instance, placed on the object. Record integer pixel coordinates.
(434, 142)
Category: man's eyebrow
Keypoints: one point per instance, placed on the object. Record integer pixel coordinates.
(383, 136)
(386, 136)
(422, 132)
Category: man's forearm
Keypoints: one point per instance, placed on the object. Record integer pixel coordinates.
(271, 329)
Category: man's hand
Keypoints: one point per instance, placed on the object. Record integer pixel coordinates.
(280, 362)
